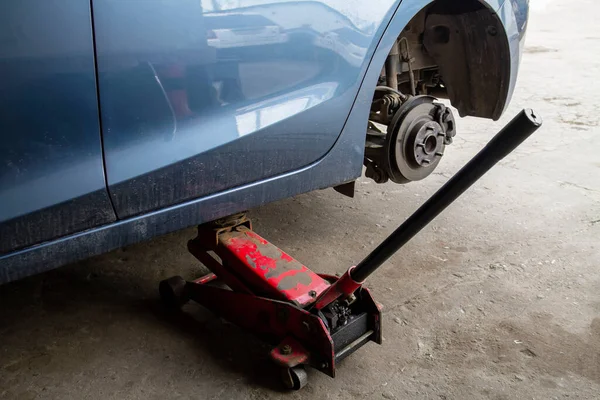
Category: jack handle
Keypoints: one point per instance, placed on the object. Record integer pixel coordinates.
(505, 141)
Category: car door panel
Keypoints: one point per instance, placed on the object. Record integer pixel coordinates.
(51, 172)
(201, 96)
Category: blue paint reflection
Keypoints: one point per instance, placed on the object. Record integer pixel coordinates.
(201, 96)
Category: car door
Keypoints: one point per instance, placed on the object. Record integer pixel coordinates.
(199, 96)
(51, 173)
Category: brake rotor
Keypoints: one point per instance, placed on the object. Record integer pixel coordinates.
(416, 139)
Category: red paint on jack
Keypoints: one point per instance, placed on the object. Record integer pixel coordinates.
(343, 287)
(205, 279)
(268, 270)
(290, 353)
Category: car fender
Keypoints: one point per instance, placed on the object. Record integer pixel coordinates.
(472, 89)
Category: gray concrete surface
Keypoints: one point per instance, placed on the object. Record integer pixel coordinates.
(499, 298)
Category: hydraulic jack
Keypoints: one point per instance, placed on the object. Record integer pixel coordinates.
(312, 319)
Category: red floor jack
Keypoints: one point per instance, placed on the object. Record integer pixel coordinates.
(313, 319)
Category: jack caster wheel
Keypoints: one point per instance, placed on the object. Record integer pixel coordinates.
(294, 378)
(171, 292)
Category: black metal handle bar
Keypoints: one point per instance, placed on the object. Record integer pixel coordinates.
(505, 141)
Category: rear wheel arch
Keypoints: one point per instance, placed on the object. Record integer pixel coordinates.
(469, 45)
(471, 48)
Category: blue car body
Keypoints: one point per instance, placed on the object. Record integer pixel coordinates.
(124, 120)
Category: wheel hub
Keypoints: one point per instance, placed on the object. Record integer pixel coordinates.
(426, 140)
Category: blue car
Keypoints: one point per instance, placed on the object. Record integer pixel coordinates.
(124, 120)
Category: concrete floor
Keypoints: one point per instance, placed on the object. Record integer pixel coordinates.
(499, 298)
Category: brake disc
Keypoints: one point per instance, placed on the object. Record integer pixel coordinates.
(416, 139)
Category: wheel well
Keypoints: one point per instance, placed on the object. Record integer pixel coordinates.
(454, 50)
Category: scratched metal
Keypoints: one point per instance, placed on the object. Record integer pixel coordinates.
(270, 270)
